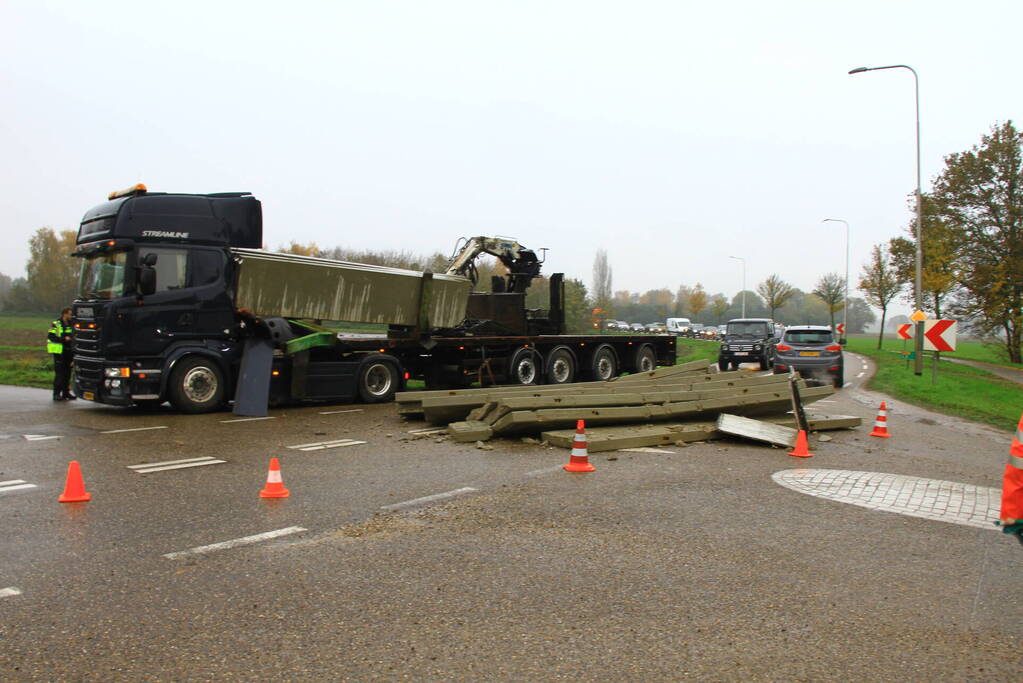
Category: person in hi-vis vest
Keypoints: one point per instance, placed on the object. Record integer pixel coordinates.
(60, 345)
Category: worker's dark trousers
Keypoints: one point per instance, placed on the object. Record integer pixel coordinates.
(61, 375)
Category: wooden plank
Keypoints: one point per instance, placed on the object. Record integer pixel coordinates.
(469, 431)
(757, 430)
(658, 373)
(553, 418)
(602, 439)
(444, 409)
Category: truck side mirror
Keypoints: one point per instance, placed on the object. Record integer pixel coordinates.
(147, 278)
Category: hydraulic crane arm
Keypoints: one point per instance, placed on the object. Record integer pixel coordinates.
(521, 263)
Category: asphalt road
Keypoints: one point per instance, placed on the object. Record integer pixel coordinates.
(688, 563)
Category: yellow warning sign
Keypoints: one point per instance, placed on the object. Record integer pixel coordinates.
(918, 316)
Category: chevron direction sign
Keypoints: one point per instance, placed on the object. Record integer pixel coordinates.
(940, 335)
(905, 331)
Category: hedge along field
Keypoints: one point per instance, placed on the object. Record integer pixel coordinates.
(960, 390)
(23, 357)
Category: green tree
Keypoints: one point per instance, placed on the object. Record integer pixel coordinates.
(831, 290)
(698, 301)
(775, 292)
(52, 273)
(602, 278)
(980, 194)
(880, 283)
(941, 244)
(860, 315)
(577, 307)
(718, 306)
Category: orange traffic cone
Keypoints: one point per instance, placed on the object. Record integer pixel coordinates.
(580, 458)
(881, 423)
(274, 484)
(802, 450)
(74, 486)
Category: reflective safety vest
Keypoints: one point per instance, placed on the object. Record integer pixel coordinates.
(1012, 483)
(55, 337)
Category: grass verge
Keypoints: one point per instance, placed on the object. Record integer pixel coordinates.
(688, 350)
(23, 357)
(960, 390)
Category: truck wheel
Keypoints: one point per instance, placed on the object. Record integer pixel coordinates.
(196, 385)
(722, 365)
(378, 380)
(560, 366)
(524, 367)
(644, 359)
(603, 363)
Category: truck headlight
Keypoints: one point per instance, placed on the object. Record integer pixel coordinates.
(117, 372)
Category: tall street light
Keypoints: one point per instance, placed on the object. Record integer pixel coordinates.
(918, 367)
(845, 311)
(739, 258)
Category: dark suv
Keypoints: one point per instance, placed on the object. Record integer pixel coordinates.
(747, 340)
(812, 351)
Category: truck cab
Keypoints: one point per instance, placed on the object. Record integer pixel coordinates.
(155, 286)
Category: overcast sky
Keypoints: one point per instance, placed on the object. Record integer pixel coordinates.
(672, 134)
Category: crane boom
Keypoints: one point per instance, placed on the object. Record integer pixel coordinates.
(521, 262)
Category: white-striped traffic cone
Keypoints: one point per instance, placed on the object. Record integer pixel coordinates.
(881, 423)
(580, 458)
(274, 483)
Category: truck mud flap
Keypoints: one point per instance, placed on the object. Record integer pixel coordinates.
(252, 394)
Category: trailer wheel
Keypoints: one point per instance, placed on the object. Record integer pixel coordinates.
(560, 366)
(603, 363)
(378, 380)
(524, 367)
(644, 359)
(196, 385)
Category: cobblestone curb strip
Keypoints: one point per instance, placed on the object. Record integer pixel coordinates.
(943, 501)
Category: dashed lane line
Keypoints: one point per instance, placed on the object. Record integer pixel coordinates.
(321, 445)
(428, 499)
(147, 467)
(248, 419)
(234, 543)
(860, 375)
(338, 412)
(428, 431)
(647, 450)
(135, 429)
(545, 470)
(9, 592)
(15, 485)
(39, 437)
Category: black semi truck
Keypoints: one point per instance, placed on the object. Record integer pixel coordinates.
(177, 302)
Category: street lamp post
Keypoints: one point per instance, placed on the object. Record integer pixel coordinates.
(918, 366)
(739, 258)
(845, 308)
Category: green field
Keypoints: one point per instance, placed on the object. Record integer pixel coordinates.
(689, 350)
(965, 350)
(23, 357)
(959, 390)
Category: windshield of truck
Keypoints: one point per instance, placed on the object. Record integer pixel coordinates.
(754, 330)
(102, 276)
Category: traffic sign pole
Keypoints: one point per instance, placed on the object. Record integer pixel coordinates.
(918, 317)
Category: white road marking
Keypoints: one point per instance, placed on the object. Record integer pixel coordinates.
(426, 431)
(428, 499)
(320, 445)
(546, 470)
(337, 412)
(825, 401)
(8, 592)
(248, 419)
(647, 450)
(859, 375)
(15, 485)
(39, 437)
(224, 545)
(847, 384)
(136, 429)
(147, 467)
